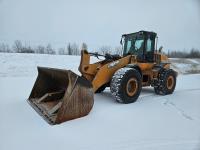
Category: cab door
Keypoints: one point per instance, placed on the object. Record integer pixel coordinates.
(149, 48)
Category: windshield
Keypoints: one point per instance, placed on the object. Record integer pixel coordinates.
(133, 46)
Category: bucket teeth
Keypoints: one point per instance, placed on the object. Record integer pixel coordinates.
(61, 95)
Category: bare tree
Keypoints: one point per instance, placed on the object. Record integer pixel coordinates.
(69, 49)
(118, 50)
(193, 53)
(17, 47)
(27, 49)
(4, 48)
(40, 49)
(75, 49)
(84, 46)
(105, 49)
(50, 50)
(62, 51)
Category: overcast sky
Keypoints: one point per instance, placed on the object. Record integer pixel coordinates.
(98, 23)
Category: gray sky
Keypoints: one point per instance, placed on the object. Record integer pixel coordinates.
(98, 23)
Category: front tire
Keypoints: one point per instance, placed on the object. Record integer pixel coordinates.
(126, 85)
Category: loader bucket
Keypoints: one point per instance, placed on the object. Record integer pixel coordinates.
(61, 95)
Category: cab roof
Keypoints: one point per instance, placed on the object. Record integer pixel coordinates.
(141, 33)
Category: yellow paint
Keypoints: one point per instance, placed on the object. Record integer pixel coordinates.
(101, 72)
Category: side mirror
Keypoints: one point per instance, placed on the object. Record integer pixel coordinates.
(160, 49)
(121, 41)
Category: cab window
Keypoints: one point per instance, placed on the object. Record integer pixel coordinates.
(149, 45)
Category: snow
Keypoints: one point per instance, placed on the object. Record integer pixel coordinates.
(16, 65)
(194, 61)
(26, 64)
(153, 122)
(186, 66)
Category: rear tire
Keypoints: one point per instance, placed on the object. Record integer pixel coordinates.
(126, 85)
(166, 82)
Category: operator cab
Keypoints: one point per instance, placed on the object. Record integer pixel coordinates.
(141, 44)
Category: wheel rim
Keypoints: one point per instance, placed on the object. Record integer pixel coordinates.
(170, 82)
(131, 87)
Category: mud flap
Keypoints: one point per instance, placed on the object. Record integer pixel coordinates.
(61, 95)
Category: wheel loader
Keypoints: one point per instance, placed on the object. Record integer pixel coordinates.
(61, 95)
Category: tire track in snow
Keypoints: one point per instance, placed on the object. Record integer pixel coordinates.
(167, 101)
(178, 109)
(151, 144)
(158, 96)
(173, 105)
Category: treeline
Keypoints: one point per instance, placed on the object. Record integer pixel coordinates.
(75, 49)
(70, 49)
(193, 53)
(18, 47)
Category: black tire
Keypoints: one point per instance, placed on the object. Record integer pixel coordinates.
(101, 89)
(156, 90)
(120, 85)
(163, 87)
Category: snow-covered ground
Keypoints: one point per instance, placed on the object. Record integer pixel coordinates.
(152, 123)
(16, 65)
(186, 66)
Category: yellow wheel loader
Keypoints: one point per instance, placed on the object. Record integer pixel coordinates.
(61, 95)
